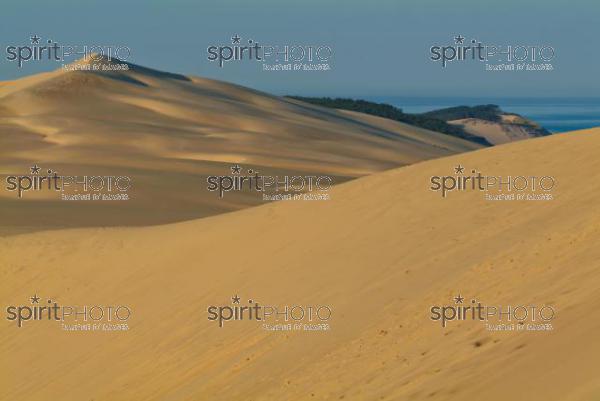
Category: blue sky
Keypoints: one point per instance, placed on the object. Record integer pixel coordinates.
(381, 48)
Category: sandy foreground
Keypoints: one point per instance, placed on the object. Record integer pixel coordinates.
(168, 132)
(380, 253)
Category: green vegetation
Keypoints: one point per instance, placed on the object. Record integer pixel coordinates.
(436, 120)
(426, 121)
(488, 112)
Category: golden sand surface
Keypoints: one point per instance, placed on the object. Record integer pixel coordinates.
(380, 252)
(168, 132)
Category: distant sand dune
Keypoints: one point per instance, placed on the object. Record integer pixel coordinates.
(166, 130)
(511, 129)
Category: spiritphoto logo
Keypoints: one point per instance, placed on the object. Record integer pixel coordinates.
(496, 57)
(71, 317)
(282, 57)
(519, 187)
(271, 317)
(39, 49)
(69, 187)
(496, 317)
(284, 187)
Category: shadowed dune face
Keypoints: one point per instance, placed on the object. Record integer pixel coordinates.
(166, 131)
(511, 128)
(380, 252)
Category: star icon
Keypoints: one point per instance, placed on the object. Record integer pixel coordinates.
(458, 299)
(459, 169)
(459, 39)
(235, 299)
(236, 169)
(35, 39)
(35, 299)
(35, 169)
(235, 39)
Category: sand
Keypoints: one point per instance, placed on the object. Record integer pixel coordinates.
(380, 252)
(168, 132)
(509, 130)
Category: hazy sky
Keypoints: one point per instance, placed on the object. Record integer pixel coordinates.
(381, 48)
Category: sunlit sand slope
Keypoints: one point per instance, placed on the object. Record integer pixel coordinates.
(168, 132)
(381, 252)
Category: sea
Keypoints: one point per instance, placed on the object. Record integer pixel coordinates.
(554, 114)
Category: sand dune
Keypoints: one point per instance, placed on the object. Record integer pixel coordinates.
(380, 252)
(511, 128)
(167, 131)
